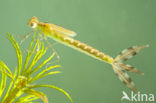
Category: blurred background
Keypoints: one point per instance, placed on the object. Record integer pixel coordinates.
(108, 25)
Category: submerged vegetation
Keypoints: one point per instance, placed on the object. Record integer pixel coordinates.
(21, 89)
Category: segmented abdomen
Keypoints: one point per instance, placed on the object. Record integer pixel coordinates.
(82, 47)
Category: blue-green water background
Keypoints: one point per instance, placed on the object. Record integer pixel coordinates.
(108, 25)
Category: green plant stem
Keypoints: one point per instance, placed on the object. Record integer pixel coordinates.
(11, 96)
(19, 85)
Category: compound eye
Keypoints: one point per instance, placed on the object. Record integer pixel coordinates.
(33, 25)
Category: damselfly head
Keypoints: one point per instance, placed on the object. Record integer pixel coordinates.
(33, 22)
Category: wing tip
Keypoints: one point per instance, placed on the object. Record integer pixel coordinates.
(146, 46)
(74, 33)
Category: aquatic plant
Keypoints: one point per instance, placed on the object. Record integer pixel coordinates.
(22, 87)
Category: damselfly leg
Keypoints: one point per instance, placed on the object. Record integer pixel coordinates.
(53, 49)
(25, 37)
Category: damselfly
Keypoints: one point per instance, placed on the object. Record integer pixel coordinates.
(64, 36)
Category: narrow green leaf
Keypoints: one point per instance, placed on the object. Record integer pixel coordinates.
(18, 52)
(39, 94)
(27, 99)
(10, 85)
(44, 75)
(5, 67)
(53, 87)
(37, 56)
(43, 71)
(42, 64)
(29, 54)
(50, 73)
(3, 83)
(48, 69)
(6, 73)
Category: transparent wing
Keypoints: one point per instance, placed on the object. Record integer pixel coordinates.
(63, 30)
